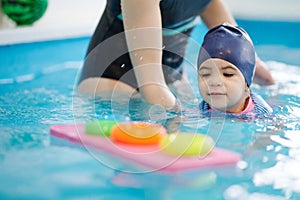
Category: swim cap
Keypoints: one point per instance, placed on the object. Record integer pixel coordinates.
(232, 44)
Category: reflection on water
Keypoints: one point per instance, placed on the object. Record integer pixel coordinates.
(284, 174)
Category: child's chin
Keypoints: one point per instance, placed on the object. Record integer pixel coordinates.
(219, 108)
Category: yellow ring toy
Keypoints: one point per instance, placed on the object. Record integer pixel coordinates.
(187, 144)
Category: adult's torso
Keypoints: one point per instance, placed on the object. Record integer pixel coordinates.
(174, 12)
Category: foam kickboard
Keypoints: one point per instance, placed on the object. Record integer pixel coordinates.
(149, 156)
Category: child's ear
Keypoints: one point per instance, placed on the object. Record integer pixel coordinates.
(247, 89)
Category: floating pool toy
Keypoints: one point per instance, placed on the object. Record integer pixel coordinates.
(187, 144)
(138, 133)
(146, 157)
(24, 12)
(99, 127)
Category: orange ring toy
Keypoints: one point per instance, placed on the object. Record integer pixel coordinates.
(138, 133)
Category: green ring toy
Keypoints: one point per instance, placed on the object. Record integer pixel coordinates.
(99, 127)
(24, 12)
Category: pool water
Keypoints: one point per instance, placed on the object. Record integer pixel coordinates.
(37, 90)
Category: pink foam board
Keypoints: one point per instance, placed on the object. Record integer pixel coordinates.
(151, 157)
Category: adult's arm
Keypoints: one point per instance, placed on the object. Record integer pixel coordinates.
(217, 13)
(143, 30)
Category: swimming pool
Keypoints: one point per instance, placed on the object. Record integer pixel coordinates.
(36, 84)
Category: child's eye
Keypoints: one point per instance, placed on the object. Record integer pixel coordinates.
(228, 74)
(204, 75)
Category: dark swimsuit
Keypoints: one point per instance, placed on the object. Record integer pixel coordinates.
(108, 56)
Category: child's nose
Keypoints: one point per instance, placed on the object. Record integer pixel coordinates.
(215, 81)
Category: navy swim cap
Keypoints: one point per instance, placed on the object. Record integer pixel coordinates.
(232, 44)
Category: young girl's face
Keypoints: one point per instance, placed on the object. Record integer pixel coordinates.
(222, 85)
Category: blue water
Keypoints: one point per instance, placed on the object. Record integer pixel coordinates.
(37, 90)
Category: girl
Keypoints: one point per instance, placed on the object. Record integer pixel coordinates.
(226, 67)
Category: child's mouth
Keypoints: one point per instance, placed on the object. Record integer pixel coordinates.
(216, 93)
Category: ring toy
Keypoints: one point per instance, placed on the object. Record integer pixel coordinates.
(99, 127)
(24, 12)
(187, 144)
(139, 133)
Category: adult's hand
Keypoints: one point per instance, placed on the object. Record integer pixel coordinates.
(262, 75)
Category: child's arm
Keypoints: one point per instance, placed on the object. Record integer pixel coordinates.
(143, 30)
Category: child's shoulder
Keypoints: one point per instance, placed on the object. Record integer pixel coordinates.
(261, 107)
